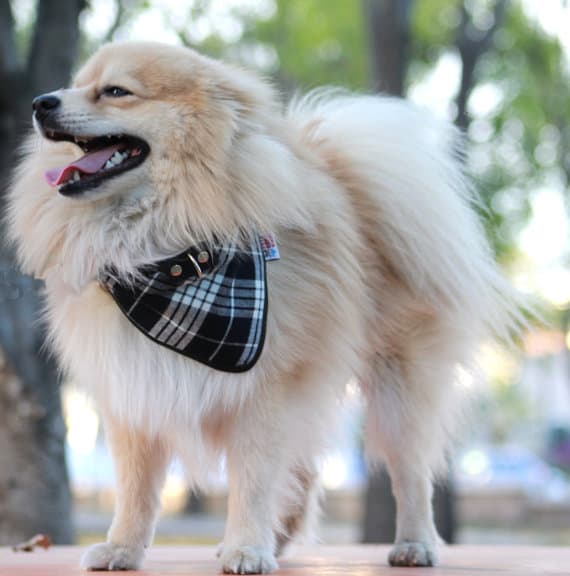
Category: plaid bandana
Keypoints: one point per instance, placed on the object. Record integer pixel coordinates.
(207, 304)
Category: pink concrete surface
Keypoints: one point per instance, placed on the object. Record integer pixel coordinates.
(314, 561)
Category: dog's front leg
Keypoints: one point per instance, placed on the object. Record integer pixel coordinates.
(256, 466)
(140, 467)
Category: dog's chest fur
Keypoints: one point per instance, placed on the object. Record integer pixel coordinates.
(312, 327)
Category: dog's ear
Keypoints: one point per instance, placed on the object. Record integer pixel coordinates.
(246, 94)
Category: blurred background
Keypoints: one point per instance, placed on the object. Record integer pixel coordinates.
(500, 70)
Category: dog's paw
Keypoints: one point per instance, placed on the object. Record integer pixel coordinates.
(106, 556)
(412, 554)
(248, 560)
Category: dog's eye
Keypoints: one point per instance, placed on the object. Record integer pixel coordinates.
(115, 91)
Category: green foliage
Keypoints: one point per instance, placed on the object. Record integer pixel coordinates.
(434, 26)
(315, 42)
(526, 136)
(527, 130)
(300, 43)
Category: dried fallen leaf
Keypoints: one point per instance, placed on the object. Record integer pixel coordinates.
(37, 541)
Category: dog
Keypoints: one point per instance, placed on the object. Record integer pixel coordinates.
(347, 227)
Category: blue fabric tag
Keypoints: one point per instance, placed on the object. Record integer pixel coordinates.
(269, 247)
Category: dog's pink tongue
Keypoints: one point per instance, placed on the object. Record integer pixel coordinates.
(88, 164)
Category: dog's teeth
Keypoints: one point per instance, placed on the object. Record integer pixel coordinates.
(76, 176)
(109, 164)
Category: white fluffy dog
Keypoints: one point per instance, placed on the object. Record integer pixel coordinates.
(384, 276)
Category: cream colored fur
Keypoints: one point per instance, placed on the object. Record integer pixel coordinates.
(385, 275)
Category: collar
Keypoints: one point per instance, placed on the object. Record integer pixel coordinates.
(208, 303)
(193, 263)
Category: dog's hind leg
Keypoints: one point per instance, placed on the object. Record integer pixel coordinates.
(140, 466)
(301, 508)
(407, 428)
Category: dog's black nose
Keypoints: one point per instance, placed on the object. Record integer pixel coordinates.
(44, 104)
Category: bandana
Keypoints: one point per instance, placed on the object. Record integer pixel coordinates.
(209, 304)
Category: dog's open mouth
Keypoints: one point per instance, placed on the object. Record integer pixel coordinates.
(105, 157)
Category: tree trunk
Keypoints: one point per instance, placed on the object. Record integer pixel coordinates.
(34, 485)
(380, 510)
(472, 44)
(389, 37)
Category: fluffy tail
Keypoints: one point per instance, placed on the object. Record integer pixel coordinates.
(423, 204)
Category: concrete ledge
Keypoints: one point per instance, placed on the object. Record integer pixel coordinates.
(313, 561)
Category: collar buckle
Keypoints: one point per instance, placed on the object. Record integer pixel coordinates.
(196, 265)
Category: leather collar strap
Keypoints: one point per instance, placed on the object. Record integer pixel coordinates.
(194, 262)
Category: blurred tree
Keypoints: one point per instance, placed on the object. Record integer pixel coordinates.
(299, 43)
(472, 42)
(389, 31)
(389, 39)
(34, 487)
(314, 43)
(512, 102)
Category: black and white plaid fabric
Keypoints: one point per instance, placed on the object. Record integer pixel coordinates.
(209, 304)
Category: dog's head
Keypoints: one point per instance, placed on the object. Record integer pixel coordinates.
(152, 148)
(137, 112)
